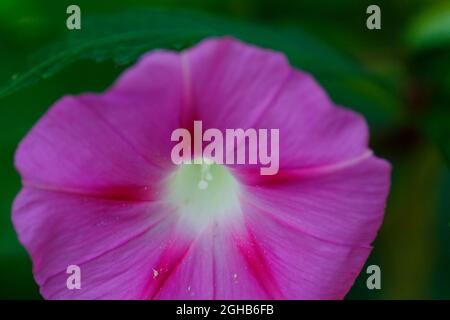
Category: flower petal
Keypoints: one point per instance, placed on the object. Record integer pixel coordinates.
(115, 243)
(229, 83)
(122, 273)
(303, 266)
(110, 143)
(95, 166)
(219, 265)
(341, 204)
(235, 85)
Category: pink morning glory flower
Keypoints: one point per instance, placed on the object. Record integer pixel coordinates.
(101, 192)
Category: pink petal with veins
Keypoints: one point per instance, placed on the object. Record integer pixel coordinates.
(100, 190)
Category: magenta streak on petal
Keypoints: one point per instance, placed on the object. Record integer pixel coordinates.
(121, 193)
(258, 266)
(286, 175)
(169, 261)
(189, 113)
(263, 109)
(135, 236)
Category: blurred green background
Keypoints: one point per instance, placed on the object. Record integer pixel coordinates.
(406, 102)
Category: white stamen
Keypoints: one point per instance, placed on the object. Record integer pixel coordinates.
(205, 174)
(202, 185)
(204, 193)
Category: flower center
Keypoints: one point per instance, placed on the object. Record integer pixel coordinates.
(204, 193)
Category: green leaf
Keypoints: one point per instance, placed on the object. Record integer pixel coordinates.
(431, 29)
(437, 127)
(124, 37)
(442, 231)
